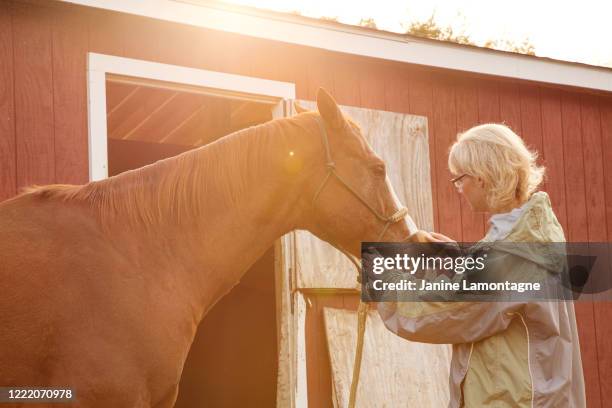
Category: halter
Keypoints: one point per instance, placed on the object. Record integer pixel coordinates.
(399, 215)
(362, 312)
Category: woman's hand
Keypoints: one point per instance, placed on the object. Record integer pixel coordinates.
(425, 236)
(437, 237)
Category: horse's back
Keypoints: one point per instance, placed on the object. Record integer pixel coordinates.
(37, 246)
(72, 307)
(35, 232)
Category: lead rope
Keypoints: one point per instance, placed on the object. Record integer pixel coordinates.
(362, 317)
(362, 311)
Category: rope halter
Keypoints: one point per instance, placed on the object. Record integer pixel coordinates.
(399, 215)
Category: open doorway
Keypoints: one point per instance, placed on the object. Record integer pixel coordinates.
(233, 360)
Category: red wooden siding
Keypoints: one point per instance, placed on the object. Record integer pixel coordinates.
(33, 75)
(43, 122)
(8, 176)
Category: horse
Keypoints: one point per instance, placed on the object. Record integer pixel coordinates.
(104, 284)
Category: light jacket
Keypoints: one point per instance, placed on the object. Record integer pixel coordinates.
(505, 354)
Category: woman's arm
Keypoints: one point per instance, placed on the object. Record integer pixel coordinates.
(452, 322)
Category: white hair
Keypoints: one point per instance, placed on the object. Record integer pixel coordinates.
(499, 156)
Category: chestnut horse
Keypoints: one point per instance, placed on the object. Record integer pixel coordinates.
(103, 285)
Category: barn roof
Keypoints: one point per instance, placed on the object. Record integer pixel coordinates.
(361, 41)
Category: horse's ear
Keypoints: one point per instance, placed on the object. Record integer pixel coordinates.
(329, 110)
(299, 108)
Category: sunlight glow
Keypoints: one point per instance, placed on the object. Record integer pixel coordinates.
(570, 30)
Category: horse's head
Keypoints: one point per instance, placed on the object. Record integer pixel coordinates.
(348, 196)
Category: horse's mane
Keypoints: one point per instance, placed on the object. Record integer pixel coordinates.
(173, 189)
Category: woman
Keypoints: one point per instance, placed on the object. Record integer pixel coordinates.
(505, 354)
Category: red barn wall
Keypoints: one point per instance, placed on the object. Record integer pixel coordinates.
(43, 118)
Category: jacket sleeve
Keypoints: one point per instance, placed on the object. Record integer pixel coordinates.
(447, 322)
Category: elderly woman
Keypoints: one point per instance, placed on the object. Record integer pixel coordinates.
(505, 354)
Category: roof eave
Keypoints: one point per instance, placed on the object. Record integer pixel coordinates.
(343, 38)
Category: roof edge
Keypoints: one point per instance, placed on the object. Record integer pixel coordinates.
(354, 40)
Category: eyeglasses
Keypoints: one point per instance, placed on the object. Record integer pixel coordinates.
(458, 181)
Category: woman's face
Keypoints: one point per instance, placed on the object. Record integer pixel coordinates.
(473, 190)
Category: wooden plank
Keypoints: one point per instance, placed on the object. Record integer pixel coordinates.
(209, 125)
(606, 139)
(372, 86)
(177, 44)
(421, 103)
(286, 332)
(319, 72)
(603, 317)
(137, 130)
(466, 99)
(301, 379)
(135, 110)
(488, 101)
(510, 106)
(261, 52)
(234, 48)
(350, 301)
(445, 122)
(70, 96)
(175, 135)
(34, 127)
(292, 67)
(552, 150)
(401, 141)
(488, 112)
(141, 39)
(574, 168)
(315, 368)
(397, 89)
(531, 122)
(346, 74)
(107, 32)
(8, 171)
(578, 232)
(207, 50)
(395, 372)
(603, 310)
(588, 347)
(531, 118)
(168, 117)
(118, 93)
(593, 169)
(317, 357)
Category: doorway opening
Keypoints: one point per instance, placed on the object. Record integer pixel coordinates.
(233, 359)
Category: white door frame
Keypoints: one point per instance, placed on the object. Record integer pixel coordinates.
(100, 67)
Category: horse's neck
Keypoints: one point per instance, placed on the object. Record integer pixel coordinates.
(243, 206)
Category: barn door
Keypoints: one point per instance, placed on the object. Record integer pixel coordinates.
(322, 293)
